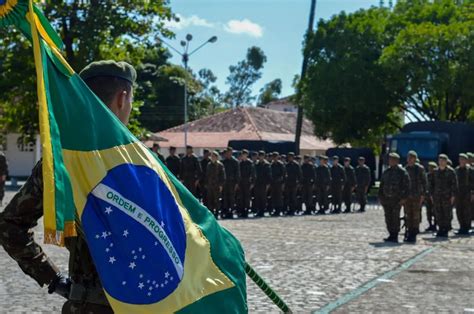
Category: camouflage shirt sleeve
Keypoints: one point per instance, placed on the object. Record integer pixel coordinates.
(3, 165)
(16, 235)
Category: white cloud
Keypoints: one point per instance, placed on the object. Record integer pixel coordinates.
(185, 22)
(244, 26)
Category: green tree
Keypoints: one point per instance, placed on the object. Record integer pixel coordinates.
(91, 30)
(269, 92)
(343, 92)
(208, 100)
(242, 76)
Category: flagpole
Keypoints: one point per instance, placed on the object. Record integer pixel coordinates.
(276, 299)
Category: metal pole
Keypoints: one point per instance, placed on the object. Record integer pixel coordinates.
(185, 61)
(299, 117)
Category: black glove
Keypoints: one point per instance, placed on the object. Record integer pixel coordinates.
(60, 285)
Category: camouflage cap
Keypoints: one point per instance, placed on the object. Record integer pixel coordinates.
(432, 164)
(412, 153)
(306, 157)
(215, 153)
(394, 156)
(261, 153)
(335, 157)
(245, 152)
(229, 149)
(323, 157)
(291, 154)
(443, 156)
(347, 159)
(361, 158)
(111, 68)
(275, 154)
(463, 156)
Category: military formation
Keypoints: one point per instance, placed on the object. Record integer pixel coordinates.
(440, 189)
(241, 183)
(3, 175)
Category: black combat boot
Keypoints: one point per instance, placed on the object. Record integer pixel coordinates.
(442, 233)
(393, 237)
(462, 232)
(410, 236)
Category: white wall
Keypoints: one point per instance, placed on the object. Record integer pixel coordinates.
(21, 158)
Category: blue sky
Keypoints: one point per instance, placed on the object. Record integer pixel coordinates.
(276, 26)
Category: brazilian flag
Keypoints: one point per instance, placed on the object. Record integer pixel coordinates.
(156, 248)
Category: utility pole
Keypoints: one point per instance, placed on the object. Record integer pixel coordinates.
(299, 117)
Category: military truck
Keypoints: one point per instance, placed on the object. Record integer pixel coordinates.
(431, 138)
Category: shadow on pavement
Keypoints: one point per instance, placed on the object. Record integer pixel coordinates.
(384, 244)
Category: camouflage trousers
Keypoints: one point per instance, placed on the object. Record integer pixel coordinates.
(277, 196)
(336, 193)
(347, 196)
(212, 198)
(412, 211)
(361, 196)
(290, 196)
(430, 215)
(392, 210)
(308, 196)
(322, 195)
(244, 195)
(463, 211)
(443, 212)
(260, 201)
(71, 307)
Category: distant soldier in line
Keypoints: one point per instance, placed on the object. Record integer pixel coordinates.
(232, 174)
(444, 189)
(323, 183)
(214, 181)
(206, 159)
(363, 179)
(3, 175)
(393, 192)
(416, 195)
(430, 213)
(190, 170)
(350, 184)
(156, 150)
(299, 192)
(465, 175)
(338, 180)
(247, 179)
(173, 162)
(263, 179)
(308, 179)
(254, 157)
(278, 178)
(292, 180)
(471, 163)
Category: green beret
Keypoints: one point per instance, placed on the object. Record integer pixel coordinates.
(394, 155)
(412, 153)
(432, 164)
(463, 156)
(112, 68)
(443, 156)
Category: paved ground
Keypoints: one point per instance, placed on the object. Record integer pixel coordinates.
(333, 262)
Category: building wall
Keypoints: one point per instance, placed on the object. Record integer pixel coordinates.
(21, 158)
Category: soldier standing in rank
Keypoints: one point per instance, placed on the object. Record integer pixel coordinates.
(349, 185)
(308, 178)
(363, 179)
(471, 164)
(444, 189)
(465, 175)
(3, 175)
(323, 183)
(156, 150)
(263, 179)
(173, 162)
(430, 214)
(191, 170)
(206, 159)
(232, 173)
(393, 193)
(278, 177)
(247, 179)
(338, 180)
(416, 195)
(292, 180)
(214, 181)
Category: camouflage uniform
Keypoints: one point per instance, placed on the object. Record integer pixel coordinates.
(191, 172)
(338, 179)
(232, 173)
(323, 183)
(278, 177)
(430, 214)
(174, 165)
(263, 179)
(16, 236)
(292, 179)
(348, 187)
(247, 178)
(413, 204)
(202, 181)
(465, 177)
(308, 178)
(363, 181)
(3, 172)
(214, 181)
(444, 187)
(394, 187)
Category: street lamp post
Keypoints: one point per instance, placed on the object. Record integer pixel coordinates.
(185, 54)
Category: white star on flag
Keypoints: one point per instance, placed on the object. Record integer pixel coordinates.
(108, 210)
(97, 236)
(167, 274)
(107, 249)
(104, 234)
(124, 283)
(141, 285)
(125, 233)
(112, 260)
(149, 294)
(132, 265)
(162, 224)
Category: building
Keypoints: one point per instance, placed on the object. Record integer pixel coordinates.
(248, 123)
(284, 104)
(21, 157)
